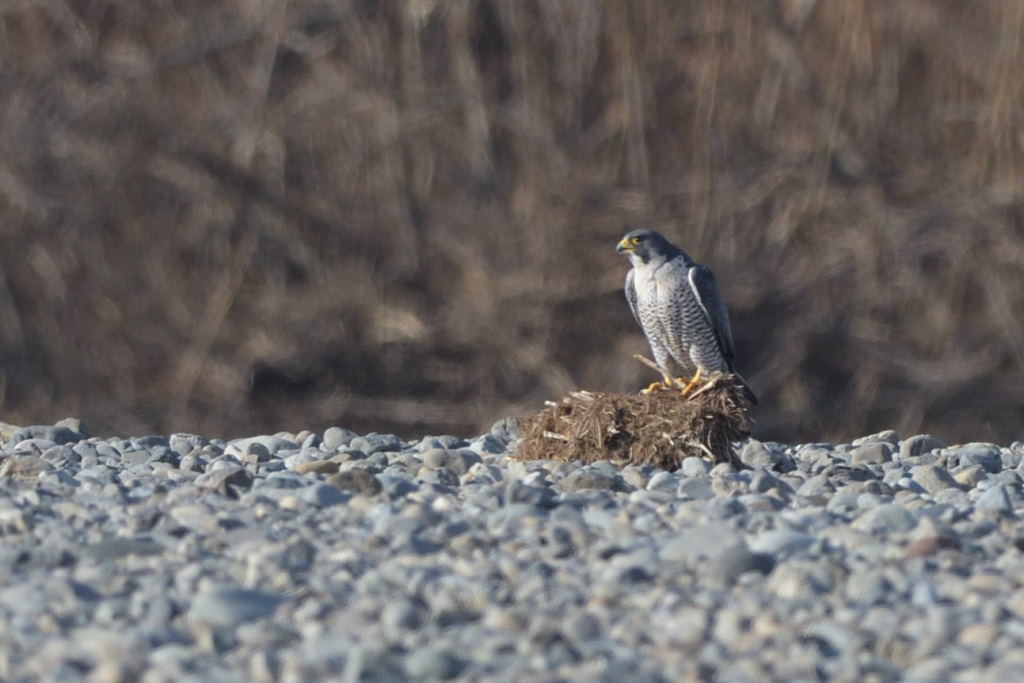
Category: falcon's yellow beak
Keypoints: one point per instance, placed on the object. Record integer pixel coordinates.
(624, 246)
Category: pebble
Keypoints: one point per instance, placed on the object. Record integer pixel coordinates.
(591, 478)
(357, 481)
(919, 445)
(337, 437)
(781, 542)
(995, 499)
(230, 607)
(269, 444)
(933, 478)
(970, 475)
(756, 454)
(985, 455)
(226, 480)
(695, 488)
(335, 556)
(458, 461)
(429, 663)
(694, 467)
(323, 495)
(376, 443)
(317, 467)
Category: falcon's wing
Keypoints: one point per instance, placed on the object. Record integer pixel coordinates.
(631, 296)
(702, 281)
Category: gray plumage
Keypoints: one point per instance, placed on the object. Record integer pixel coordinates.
(678, 306)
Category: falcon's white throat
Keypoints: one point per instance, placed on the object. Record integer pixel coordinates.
(654, 259)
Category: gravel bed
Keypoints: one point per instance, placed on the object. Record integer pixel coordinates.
(298, 557)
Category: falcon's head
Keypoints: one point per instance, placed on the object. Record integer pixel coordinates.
(645, 246)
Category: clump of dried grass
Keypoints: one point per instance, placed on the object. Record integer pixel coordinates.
(660, 428)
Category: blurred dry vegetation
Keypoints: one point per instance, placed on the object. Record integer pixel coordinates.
(238, 216)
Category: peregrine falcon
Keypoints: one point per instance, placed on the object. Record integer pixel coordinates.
(677, 304)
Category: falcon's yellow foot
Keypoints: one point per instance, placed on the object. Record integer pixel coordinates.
(692, 383)
(653, 386)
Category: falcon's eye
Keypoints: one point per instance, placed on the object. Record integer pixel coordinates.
(637, 240)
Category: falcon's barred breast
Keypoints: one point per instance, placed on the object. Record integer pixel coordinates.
(677, 303)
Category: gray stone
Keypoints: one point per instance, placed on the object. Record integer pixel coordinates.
(875, 452)
(971, 475)
(273, 444)
(763, 481)
(696, 488)
(226, 608)
(151, 441)
(190, 463)
(138, 457)
(818, 485)
(432, 663)
(736, 559)
(700, 541)
(396, 487)
(995, 499)
(919, 445)
(757, 454)
(376, 443)
(589, 478)
(839, 638)
(984, 455)
(933, 478)
(663, 481)
(952, 496)
(58, 478)
(23, 466)
(637, 477)
(400, 615)
(885, 518)
(924, 595)
(256, 451)
(33, 445)
(886, 435)
(323, 495)
(356, 481)
(843, 502)
(184, 443)
(781, 542)
(114, 548)
(226, 481)
(506, 429)
(1010, 479)
(459, 461)
(867, 587)
(439, 477)
(694, 467)
(303, 457)
(445, 442)
(55, 434)
(487, 445)
(798, 582)
(336, 437)
(75, 425)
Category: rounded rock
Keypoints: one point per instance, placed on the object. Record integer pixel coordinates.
(357, 481)
(431, 663)
(230, 607)
(919, 445)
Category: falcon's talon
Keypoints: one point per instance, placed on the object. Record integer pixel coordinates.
(653, 386)
(692, 383)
